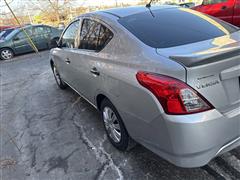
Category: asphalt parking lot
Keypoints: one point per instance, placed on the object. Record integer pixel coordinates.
(47, 134)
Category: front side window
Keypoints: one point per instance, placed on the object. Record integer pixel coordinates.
(38, 30)
(5, 33)
(94, 35)
(69, 38)
(22, 35)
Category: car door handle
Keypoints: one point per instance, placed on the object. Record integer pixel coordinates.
(95, 71)
(67, 61)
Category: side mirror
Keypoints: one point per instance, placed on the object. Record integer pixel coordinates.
(16, 39)
(205, 2)
(55, 43)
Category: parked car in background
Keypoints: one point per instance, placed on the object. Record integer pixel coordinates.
(156, 83)
(227, 10)
(5, 27)
(16, 42)
(187, 5)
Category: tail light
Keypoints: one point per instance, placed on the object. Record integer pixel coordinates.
(175, 96)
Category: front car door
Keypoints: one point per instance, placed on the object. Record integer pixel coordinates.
(21, 43)
(222, 9)
(65, 53)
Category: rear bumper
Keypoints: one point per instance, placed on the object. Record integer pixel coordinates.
(229, 146)
(198, 138)
(193, 140)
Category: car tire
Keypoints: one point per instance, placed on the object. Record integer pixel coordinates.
(115, 128)
(61, 84)
(6, 54)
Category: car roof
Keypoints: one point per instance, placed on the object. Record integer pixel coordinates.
(127, 11)
(34, 25)
(10, 28)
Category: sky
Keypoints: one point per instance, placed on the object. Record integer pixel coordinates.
(26, 7)
(18, 3)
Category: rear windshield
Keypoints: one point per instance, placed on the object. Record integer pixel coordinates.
(174, 27)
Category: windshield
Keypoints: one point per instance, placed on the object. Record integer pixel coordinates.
(1, 33)
(174, 27)
(5, 33)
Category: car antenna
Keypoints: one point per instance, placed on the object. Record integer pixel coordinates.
(149, 7)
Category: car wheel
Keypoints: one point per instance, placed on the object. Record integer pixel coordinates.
(6, 54)
(114, 127)
(61, 84)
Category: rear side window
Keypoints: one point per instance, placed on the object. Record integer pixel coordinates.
(94, 35)
(105, 35)
(174, 27)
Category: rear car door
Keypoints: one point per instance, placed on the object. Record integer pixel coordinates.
(40, 37)
(94, 36)
(63, 57)
(222, 9)
(21, 43)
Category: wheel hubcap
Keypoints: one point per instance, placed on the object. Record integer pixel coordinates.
(6, 54)
(57, 76)
(112, 125)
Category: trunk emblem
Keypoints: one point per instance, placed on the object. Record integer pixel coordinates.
(207, 84)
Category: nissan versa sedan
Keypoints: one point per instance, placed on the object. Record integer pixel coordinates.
(16, 42)
(165, 77)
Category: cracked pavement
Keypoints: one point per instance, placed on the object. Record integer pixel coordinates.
(47, 134)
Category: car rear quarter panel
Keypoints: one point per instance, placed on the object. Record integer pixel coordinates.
(124, 57)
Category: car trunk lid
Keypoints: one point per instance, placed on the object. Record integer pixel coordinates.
(213, 69)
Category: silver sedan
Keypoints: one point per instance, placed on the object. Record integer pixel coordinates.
(163, 76)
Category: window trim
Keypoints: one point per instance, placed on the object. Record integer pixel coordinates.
(103, 23)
